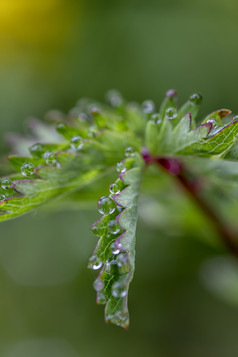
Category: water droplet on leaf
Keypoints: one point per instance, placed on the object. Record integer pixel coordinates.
(6, 183)
(61, 128)
(196, 98)
(130, 152)
(115, 249)
(122, 316)
(118, 290)
(213, 122)
(116, 187)
(76, 143)
(101, 298)
(114, 227)
(98, 284)
(27, 169)
(37, 150)
(95, 111)
(155, 117)
(92, 131)
(49, 158)
(121, 167)
(171, 113)
(95, 263)
(95, 230)
(123, 263)
(106, 205)
(2, 197)
(109, 266)
(148, 106)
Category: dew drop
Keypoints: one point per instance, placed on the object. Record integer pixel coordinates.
(121, 167)
(121, 316)
(92, 131)
(196, 98)
(101, 298)
(235, 118)
(155, 117)
(95, 111)
(98, 284)
(6, 183)
(148, 106)
(115, 249)
(118, 290)
(49, 158)
(114, 227)
(114, 98)
(171, 113)
(94, 262)
(27, 169)
(109, 267)
(61, 128)
(116, 187)
(130, 152)
(76, 143)
(121, 259)
(213, 122)
(123, 263)
(37, 150)
(2, 197)
(106, 205)
(95, 230)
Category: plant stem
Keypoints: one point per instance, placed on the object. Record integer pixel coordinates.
(176, 168)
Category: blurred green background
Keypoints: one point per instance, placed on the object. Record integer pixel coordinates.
(53, 52)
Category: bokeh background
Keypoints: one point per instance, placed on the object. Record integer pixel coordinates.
(53, 52)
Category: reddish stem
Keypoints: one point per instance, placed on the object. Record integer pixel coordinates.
(176, 168)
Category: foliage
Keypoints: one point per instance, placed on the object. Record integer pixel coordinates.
(101, 139)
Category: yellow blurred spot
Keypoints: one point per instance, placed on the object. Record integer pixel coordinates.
(34, 23)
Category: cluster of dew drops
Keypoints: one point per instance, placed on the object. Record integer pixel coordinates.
(107, 206)
(37, 151)
(115, 99)
(27, 168)
(119, 257)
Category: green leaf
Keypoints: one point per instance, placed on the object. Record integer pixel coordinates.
(163, 139)
(191, 106)
(72, 172)
(217, 116)
(27, 194)
(170, 101)
(151, 136)
(221, 142)
(118, 262)
(94, 140)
